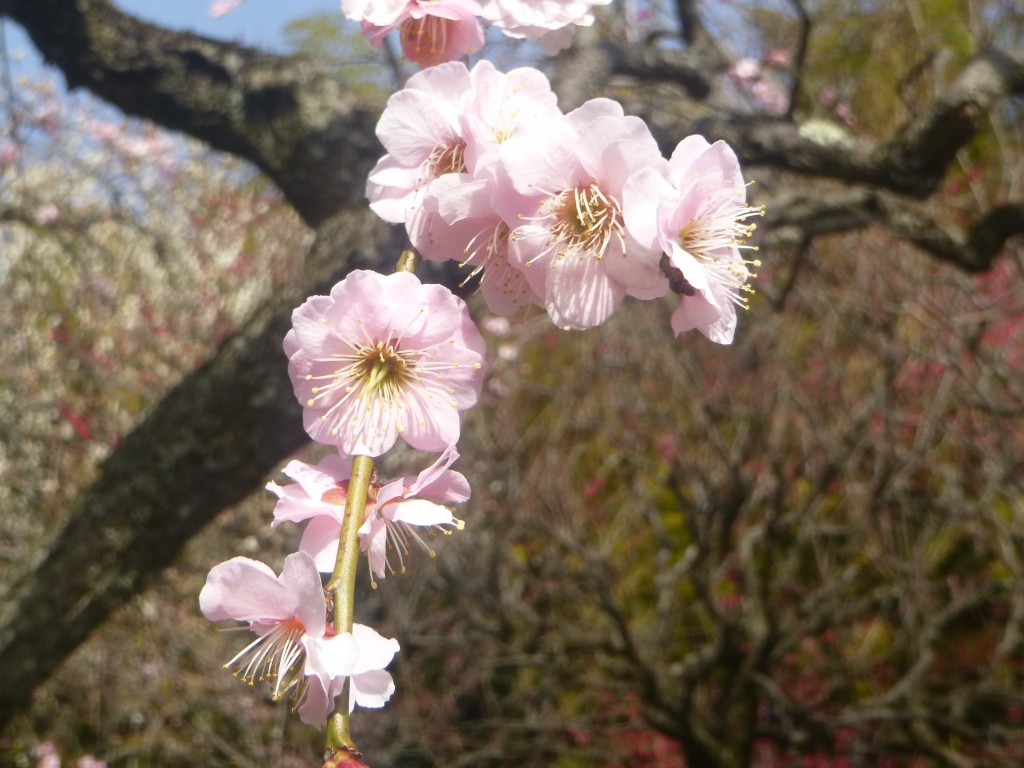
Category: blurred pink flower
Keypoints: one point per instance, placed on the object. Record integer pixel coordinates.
(551, 23)
(220, 8)
(383, 356)
(105, 130)
(828, 96)
(745, 69)
(47, 115)
(770, 94)
(431, 31)
(47, 754)
(46, 214)
(845, 113)
(9, 152)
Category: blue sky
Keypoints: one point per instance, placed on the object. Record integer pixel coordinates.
(255, 22)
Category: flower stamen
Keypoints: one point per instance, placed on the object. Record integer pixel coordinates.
(277, 655)
(581, 221)
(715, 237)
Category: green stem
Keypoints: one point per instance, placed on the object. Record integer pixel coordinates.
(343, 580)
(343, 583)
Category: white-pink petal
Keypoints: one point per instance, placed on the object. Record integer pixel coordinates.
(245, 590)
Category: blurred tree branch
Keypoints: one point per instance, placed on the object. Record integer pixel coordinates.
(287, 115)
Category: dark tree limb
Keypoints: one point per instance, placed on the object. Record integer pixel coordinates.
(913, 163)
(799, 56)
(794, 220)
(683, 68)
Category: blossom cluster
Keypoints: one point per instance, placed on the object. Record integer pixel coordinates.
(381, 356)
(435, 31)
(571, 212)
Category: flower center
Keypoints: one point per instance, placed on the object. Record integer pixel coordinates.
(723, 227)
(382, 370)
(425, 40)
(582, 221)
(447, 158)
(374, 372)
(714, 237)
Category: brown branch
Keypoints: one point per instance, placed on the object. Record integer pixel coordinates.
(799, 56)
(912, 163)
(792, 220)
(683, 68)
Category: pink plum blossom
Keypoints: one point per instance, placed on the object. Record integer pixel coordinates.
(575, 249)
(460, 223)
(431, 31)
(443, 134)
(295, 647)
(502, 106)
(405, 504)
(697, 215)
(319, 496)
(358, 656)
(383, 356)
(549, 22)
(282, 610)
(422, 133)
